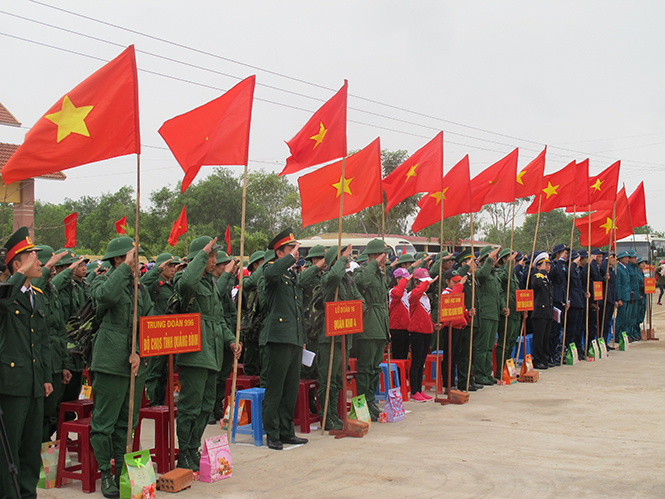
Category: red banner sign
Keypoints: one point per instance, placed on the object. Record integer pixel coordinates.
(344, 317)
(597, 290)
(523, 300)
(649, 285)
(166, 334)
(452, 307)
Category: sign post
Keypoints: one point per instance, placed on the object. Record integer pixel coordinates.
(451, 308)
(168, 335)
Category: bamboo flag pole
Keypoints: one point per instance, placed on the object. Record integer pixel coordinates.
(229, 425)
(565, 315)
(473, 302)
(607, 274)
(332, 338)
(438, 331)
(510, 275)
(132, 378)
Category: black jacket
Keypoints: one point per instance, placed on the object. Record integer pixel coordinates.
(542, 295)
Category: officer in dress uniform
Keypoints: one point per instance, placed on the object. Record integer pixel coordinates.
(25, 365)
(282, 339)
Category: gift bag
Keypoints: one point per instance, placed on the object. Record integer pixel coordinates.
(571, 355)
(394, 406)
(603, 348)
(509, 372)
(623, 342)
(50, 455)
(594, 351)
(243, 417)
(138, 476)
(359, 409)
(216, 463)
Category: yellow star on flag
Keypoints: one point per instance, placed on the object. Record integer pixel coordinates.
(347, 182)
(70, 119)
(439, 195)
(319, 136)
(519, 177)
(609, 225)
(596, 186)
(411, 173)
(550, 189)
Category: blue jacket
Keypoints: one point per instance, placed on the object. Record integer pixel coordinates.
(577, 287)
(557, 276)
(610, 286)
(623, 283)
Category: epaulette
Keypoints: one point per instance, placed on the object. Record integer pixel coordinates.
(542, 276)
(37, 289)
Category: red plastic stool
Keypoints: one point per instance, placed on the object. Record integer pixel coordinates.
(342, 404)
(86, 471)
(403, 366)
(353, 364)
(160, 453)
(243, 382)
(303, 417)
(82, 408)
(430, 373)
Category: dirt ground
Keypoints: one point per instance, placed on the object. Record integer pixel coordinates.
(596, 430)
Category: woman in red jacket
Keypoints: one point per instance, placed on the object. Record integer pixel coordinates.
(420, 329)
(399, 314)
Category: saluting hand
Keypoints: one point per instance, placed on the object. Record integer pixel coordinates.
(382, 260)
(347, 251)
(164, 264)
(208, 247)
(55, 259)
(130, 259)
(295, 252)
(76, 263)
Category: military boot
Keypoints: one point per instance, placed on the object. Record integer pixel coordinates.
(109, 487)
(185, 461)
(196, 457)
(332, 424)
(374, 410)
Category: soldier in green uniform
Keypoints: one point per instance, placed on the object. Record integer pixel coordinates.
(370, 344)
(61, 361)
(198, 370)
(282, 339)
(335, 278)
(310, 278)
(252, 317)
(25, 365)
(113, 361)
(514, 317)
(489, 309)
(159, 283)
(269, 256)
(467, 264)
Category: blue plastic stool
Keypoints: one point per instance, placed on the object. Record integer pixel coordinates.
(255, 428)
(381, 390)
(528, 347)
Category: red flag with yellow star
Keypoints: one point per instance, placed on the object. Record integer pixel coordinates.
(97, 120)
(602, 190)
(216, 133)
(416, 174)
(530, 178)
(495, 184)
(320, 190)
(456, 195)
(179, 228)
(605, 222)
(323, 138)
(638, 206)
(566, 187)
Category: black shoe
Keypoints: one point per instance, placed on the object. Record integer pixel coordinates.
(494, 381)
(610, 348)
(472, 387)
(277, 445)
(185, 461)
(485, 382)
(551, 364)
(333, 424)
(540, 366)
(213, 421)
(295, 441)
(109, 487)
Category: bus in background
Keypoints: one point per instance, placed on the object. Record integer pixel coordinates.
(397, 245)
(651, 248)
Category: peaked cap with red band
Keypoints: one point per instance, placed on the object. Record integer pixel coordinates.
(19, 242)
(282, 239)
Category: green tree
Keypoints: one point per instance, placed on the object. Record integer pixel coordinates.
(554, 228)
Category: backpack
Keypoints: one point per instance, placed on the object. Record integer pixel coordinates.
(175, 304)
(81, 329)
(315, 313)
(252, 317)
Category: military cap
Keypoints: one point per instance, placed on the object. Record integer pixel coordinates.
(504, 253)
(45, 253)
(559, 247)
(268, 255)
(119, 246)
(623, 254)
(91, 267)
(376, 246)
(316, 251)
(421, 254)
(68, 259)
(583, 253)
(453, 275)
(641, 260)
(486, 251)
(162, 258)
(455, 254)
(519, 256)
(574, 254)
(541, 258)
(444, 255)
(198, 244)
(105, 264)
(597, 251)
(476, 254)
(19, 242)
(177, 260)
(223, 257)
(331, 255)
(300, 262)
(362, 257)
(391, 258)
(256, 256)
(463, 256)
(632, 253)
(282, 239)
(405, 258)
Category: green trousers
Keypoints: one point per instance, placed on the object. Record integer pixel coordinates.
(197, 398)
(222, 376)
(23, 417)
(336, 381)
(108, 433)
(282, 376)
(369, 355)
(483, 344)
(511, 339)
(464, 347)
(251, 360)
(156, 382)
(51, 407)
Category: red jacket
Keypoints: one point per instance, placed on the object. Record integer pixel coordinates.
(459, 323)
(398, 308)
(420, 310)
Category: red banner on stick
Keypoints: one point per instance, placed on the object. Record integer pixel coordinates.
(344, 317)
(649, 285)
(524, 300)
(452, 307)
(597, 290)
(170, 334)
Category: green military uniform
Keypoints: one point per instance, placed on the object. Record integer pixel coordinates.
(251, 325)
(464, 359)
(60, 358)
(310, 278)
(505, 274)
(282, 339)
(489, 309)
(25, 367)
(263, 307)
(113, 293)
(160, 290)
(198, 370)
(370, 344)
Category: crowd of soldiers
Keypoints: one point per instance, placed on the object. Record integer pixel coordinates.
(282, 312)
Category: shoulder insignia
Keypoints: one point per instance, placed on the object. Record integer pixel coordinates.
(542, 276)
(37, 289)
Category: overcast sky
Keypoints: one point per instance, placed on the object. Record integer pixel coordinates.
(586, 79)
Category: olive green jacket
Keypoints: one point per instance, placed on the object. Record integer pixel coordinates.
(502, 275)
(25, 349)
(160, 289)
(196, 283)
(284, 304)
(489, 292)
(309, 279)
(113, 293)
(225, 284)
(372, 285)
(72, 294)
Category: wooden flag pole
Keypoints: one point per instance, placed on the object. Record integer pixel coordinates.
(229, 424)
(510, 275)
(438, 331)
(332, 338)
(565, 314)
(473, 302)
(132, 378)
